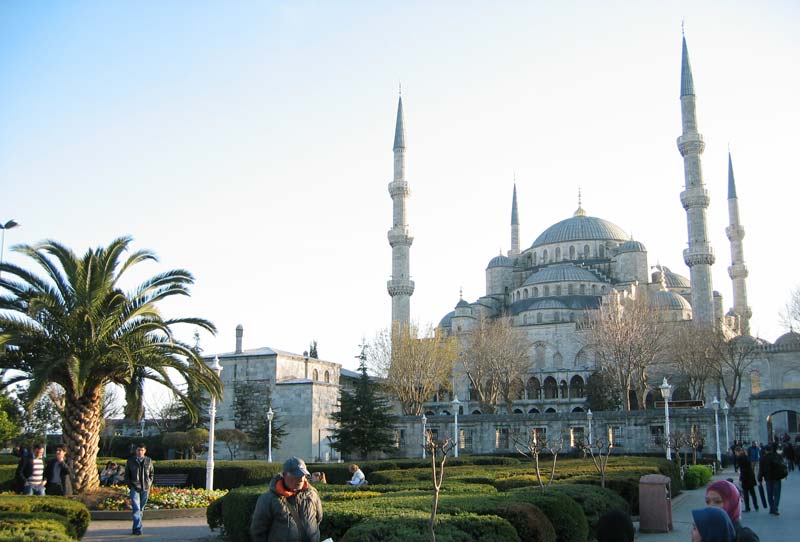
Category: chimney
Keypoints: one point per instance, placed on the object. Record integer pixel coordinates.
(239, 333)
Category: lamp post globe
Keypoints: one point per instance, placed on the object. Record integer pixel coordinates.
(715, 406)
(424, 434)
(456, 404)
(212, 414)
(270, 416)
(589, 417)
(666, 393)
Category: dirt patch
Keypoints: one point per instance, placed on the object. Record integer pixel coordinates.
(96, 496)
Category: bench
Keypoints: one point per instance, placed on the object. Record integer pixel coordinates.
(171, 480)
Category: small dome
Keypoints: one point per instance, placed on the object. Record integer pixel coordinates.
(750, 341)
(673, 280)
(446, 321)
(500, 261)
(632, 246)
(462, 304)
(665, 300)
(788, 339)
(561, 273)
(581, 228)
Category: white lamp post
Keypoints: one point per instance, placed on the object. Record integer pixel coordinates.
(212, 414)
(3, 227)
(727, 437)
(666, 393)
(456, 402)
(715, 405)
(424, 434)
(270, 415)
(589, 417)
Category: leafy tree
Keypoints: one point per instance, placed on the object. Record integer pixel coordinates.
(9, 419)
(234, 439)
(187, 442)
(415, 364)
(602, 392)
(251, 417)
(364, 419)
(76, 327)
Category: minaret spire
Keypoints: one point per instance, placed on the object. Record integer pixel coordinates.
(738, 270)
(699, 256)
(400, 286)
(514, 225)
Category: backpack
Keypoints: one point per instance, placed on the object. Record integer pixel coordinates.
(779, 469)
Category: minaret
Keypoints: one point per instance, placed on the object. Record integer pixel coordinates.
(400, 286)
(514, 226)
(699, 256)
(737, 270)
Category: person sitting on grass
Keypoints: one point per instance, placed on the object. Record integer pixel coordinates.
(358, 476)
(712, 525)
(723, 494)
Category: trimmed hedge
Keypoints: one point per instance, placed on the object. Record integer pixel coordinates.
(595, 501)
(13, 524)
(76, 514)
(565, 514)
(697, 476)
(415, 528)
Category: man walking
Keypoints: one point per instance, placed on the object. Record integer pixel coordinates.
(773, 469)
(58, 475)
(32, 472)
(290, 510)
(139, 475)
(754, 454)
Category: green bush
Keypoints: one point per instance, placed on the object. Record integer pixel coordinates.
(528, 520)
(76, 514)
(35, 536)
(697, 476)
(7, 473)
(415, 528)
(594, 500)
(214, 514)
(564, 513)
(19, 524)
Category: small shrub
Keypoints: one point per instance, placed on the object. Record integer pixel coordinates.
(76, 513)
(594, 500)
(564, 513)
(697, 476)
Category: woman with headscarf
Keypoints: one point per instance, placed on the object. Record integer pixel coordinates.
(712, 525)
(723, 494)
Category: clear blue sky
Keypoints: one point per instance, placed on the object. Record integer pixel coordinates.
(250, 142)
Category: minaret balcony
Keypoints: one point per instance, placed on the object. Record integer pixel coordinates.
(398, 188)
(399, 237)
(695, 197)
(735, 233)
(701, 254)
(400, 287)
(738, 271)
(691, 143)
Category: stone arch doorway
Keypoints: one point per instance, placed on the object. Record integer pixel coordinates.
(775, 412)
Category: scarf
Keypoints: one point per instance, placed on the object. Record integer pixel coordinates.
(280, 488)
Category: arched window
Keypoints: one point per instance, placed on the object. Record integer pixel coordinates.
(327, 377)
(473, 395)
(601, 251)
(571, 317)
(586, 251)
(476, 412)
(533, 389)
(535, 292)
(535, 259)
(531, 259)
(577, 409)
(550, 410)
(544, 256)
(594, 289)
(538, 317)
(576, 387)
(538, 356)
(564, 390)
(558, 254)
(569, 289)
(556, 317)
(582, 289)
(603, 290)
(550, 388)
(517, 391)
(558, 360)
(755, 382)
(571, 252)
(518, 411)
(558, 289)
(525, 293)
(533, 411)
(316, 374)
(546, 291)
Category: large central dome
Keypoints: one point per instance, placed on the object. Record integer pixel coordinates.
(581, 228)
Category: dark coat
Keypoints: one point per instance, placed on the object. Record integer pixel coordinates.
(65, 481)
(766, 468)
(139, 477)
(273, 522)
(744, 534)
(746, 475)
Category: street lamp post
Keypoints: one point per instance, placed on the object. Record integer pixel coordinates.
(715, 405)
(666, 393)
(727, 437)
(3, 227)
(456, 402)
(424, 434)
(270, 415)
(589, 417)
(212, 414)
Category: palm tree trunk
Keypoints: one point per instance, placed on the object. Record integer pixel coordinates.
(82, 423)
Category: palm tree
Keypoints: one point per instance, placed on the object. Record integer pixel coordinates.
(75, 327)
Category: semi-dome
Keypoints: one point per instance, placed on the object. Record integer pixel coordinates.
(666, 300)
(791, 338)
(561, 273)
(673, 280)
(581, 228)
(500, 261)
(632, 246)
(447, 320)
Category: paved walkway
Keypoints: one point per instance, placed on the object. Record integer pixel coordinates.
(783, 528)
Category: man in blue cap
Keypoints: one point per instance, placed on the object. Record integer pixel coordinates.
(290, 510)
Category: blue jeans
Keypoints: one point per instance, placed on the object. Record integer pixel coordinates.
(33, 490)
(773, 494)
(138, 502)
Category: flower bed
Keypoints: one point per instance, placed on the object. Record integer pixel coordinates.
(164, 498)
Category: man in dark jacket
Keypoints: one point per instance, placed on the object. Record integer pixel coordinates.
(772, 469)
(139, 475)
(58, 474)
(290, 510)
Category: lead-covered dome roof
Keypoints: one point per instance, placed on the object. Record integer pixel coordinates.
(581, 228)
(632, 246)
(672, 279)
(561, 273)
(791, 338)
(500, 261)
(666, 300)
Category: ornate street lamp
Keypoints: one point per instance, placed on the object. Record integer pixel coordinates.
(424, 434)
(666, 393)
(456, 402)
(3, 227)
(212, 414)
(270, 415)
(727, 437)
(715, 405)
(589, 417)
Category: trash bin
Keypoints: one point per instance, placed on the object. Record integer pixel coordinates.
(655, 504)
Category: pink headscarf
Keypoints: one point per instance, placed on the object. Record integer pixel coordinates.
(731, 502)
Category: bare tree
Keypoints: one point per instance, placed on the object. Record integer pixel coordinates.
(495, 359)
(695, 441)
(532, 445)
(790, 316)
(733, 357)
(690, 349)
(415, 365)
(438, 451)
(599, 450)
(627, 336)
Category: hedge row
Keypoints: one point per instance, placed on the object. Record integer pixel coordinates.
(20, 515)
